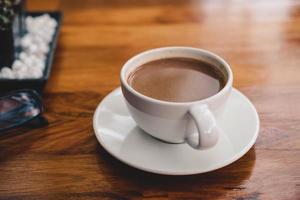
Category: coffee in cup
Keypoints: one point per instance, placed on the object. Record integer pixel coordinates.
(177, 79)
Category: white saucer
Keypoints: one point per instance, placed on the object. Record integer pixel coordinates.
(118, 134)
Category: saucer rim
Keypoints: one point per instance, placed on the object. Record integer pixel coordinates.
(232, 159)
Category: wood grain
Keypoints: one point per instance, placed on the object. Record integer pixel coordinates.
(260, 39)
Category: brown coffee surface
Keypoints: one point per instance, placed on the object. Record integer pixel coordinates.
(177, 80)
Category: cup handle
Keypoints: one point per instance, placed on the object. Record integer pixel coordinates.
(207, 129)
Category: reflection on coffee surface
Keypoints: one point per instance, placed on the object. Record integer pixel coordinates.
(177, 79)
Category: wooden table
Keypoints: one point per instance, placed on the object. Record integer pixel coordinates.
(260, 39)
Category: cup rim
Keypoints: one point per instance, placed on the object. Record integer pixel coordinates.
(128, 63)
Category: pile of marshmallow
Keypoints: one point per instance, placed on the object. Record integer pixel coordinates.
(31, 62)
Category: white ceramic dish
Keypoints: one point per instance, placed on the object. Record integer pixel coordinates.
(119, 135)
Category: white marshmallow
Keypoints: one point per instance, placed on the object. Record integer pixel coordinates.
(43, 48)
(23, 56)
(41, 65)
(33, 48)
(29, 20)
(52, 23)
(26, 41)
(17, 65)
(7, 73)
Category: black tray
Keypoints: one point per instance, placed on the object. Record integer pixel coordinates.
(36, 84)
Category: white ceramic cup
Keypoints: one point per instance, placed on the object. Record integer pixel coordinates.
(176, 122)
